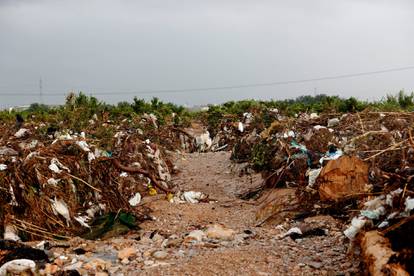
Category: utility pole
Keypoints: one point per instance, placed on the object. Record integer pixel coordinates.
(41, 90)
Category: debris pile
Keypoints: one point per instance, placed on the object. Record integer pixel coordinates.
(56, 183)
(87, 175)
(357, 167)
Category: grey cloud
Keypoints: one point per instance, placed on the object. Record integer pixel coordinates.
(126, 46)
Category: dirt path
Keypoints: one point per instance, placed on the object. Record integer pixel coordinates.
(163, 247)
(259, 253)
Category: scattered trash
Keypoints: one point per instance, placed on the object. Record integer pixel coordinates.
(331, 155)
(83, 145)
(313, 175)
(111, 224)
(219, 232)
(127, 253)
(353, 163)
(22, 132)
(374, 208)
(241, 127)
(57, 167)
(333, 122)
(52, 181)
(66, 177)
(53, 173)
(60, 207)
(409, 204)
(356, 225)
(313, 116)
(294, 230)
(288, 134)
(83, 221)
(302, 232)
(204, 141)
(10, 233)
(135, 200)
(190, 196)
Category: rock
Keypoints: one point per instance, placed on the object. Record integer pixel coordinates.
(157, 238)
(147, 253)
(148, 262)
(219, 232)
(81, 271)
(8, 151)
(73, 266)
(50, 269)
(316, 265)
(160, 255)
(181, 253)
(18, 266)
(125, 261)
(173, 242)
(126, 253)
(96, 264)
(195, 235)
(112, 270)
(59, 262)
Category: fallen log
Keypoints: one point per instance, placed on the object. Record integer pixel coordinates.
(376, 250)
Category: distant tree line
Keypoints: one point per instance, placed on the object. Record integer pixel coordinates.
(80, 108)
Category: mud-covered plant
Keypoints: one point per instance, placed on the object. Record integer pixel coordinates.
(241, 152)
(104, 136)
(261, 156)
(266, 118)
(214, 117)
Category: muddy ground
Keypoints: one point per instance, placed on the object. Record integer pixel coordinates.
(162, 246)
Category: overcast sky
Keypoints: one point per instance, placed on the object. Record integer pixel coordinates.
(121, 47)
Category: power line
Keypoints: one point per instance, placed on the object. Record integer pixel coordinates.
(41, 90)
(213, 88)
